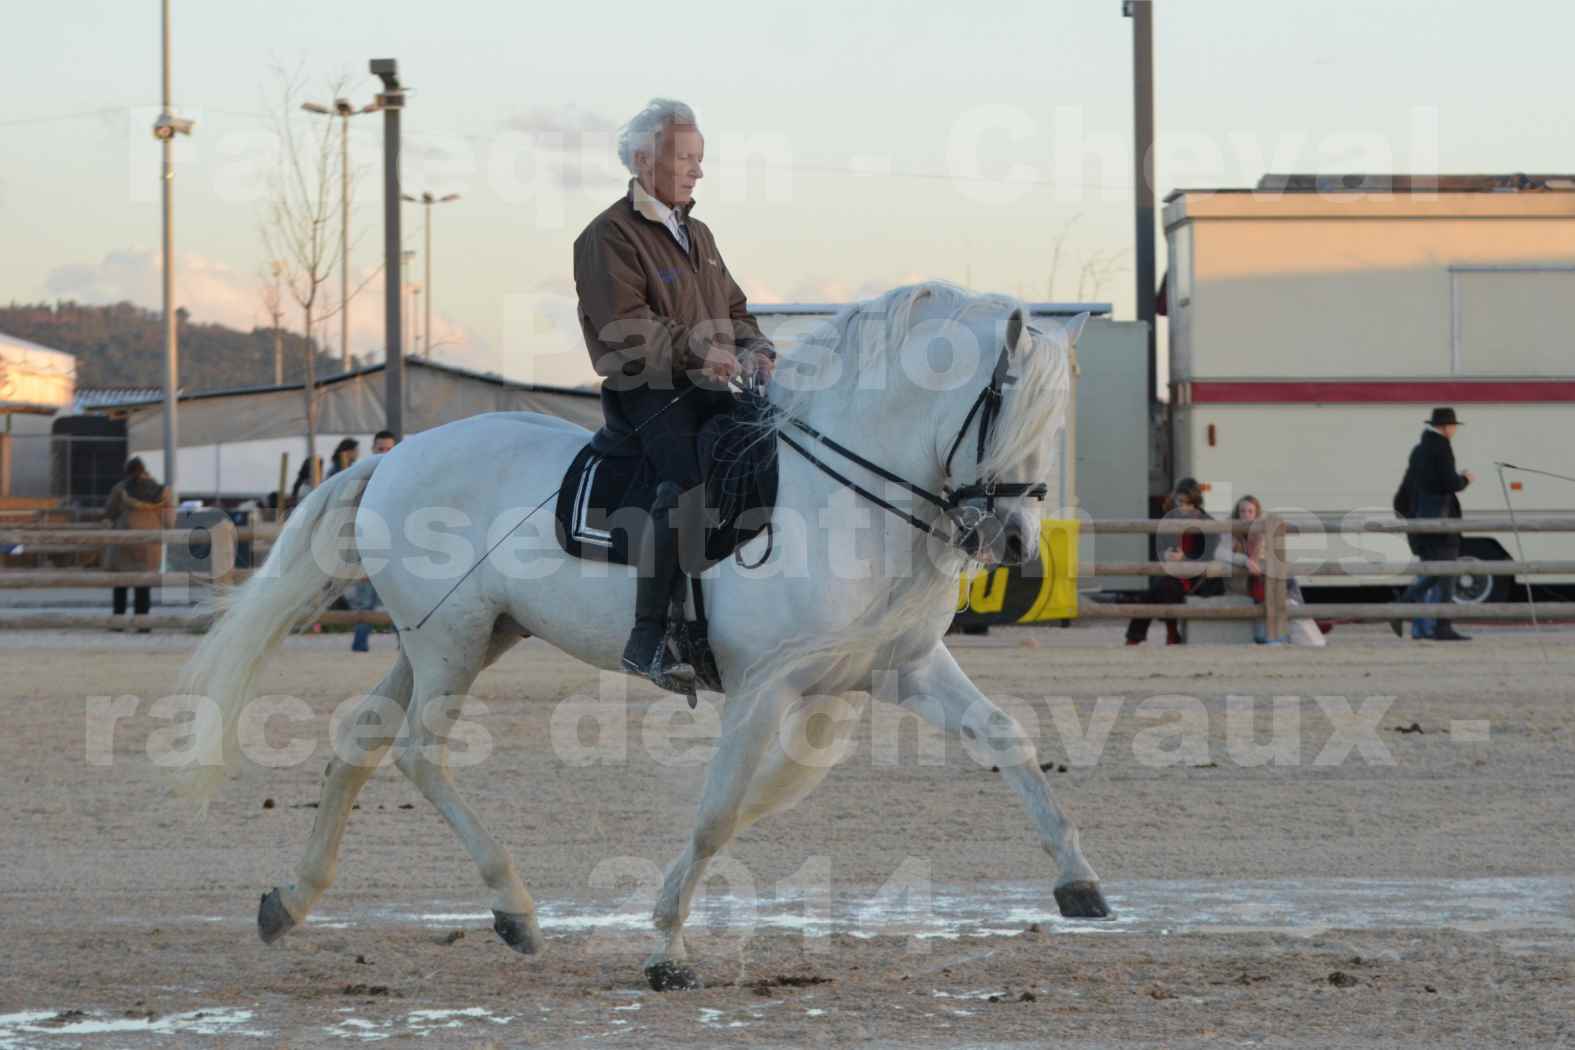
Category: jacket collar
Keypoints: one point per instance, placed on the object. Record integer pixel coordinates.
(648, 207)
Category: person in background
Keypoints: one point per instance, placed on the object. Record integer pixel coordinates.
(1248, 552)
(1431, 487)
(345, 453)
(362, 596)
(137, 501)
(306, 480)
(1177, 545)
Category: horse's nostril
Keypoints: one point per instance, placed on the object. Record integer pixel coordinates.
(1014, 548)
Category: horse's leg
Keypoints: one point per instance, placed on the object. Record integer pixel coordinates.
(943, 695)
(363, 740)
(816, 735)
(749, 727)
(423, 757)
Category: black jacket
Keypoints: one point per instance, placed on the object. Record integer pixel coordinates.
(1434, 483)
(1433, 478)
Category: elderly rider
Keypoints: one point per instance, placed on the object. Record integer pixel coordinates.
(667, 327)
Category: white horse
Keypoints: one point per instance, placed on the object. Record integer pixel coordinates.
(897, 382)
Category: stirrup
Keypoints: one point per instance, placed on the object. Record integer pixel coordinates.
(663, 669)
(675, 676)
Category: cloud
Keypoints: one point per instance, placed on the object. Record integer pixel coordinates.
(215, 293)
(574, 148)
(562, 122)
(210, 290)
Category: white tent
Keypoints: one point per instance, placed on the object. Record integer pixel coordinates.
(231, 440)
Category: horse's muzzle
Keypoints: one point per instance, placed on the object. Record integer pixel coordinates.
(986, 538)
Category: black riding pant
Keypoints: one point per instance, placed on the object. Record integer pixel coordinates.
(670, 429)
(669, 438)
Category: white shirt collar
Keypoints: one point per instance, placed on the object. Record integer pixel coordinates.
(653, 209)
(650, 207)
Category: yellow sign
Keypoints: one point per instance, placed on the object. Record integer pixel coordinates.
(1041, 590)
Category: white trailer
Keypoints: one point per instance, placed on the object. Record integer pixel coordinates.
(1315, 322)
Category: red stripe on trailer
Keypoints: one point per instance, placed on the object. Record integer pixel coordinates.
(1379, 392)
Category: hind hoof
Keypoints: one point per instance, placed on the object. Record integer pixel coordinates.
(519, 932)
(1081, 900)
(273, 919)
(670, 976)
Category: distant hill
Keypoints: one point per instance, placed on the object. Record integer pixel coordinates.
(123, 345)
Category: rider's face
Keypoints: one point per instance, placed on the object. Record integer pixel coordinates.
(671, 174)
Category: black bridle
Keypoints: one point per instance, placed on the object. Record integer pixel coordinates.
(969, 507)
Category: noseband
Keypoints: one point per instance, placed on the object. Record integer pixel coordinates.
(969, 508)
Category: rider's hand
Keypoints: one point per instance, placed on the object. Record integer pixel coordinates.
(1469, 476)
(720, 363)
(761, 366)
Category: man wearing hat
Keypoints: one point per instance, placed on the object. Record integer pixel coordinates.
(1432, 485)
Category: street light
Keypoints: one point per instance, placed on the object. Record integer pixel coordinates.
(165, 128)
(344, 111)
(392, 99)
(407, 323)
(1141, 12)
(427, 200)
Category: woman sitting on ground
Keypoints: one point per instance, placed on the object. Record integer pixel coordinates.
(1247, 551)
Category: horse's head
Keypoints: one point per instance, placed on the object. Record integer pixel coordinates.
(998, 430)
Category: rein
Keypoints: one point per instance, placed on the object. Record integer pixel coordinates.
(952, 502)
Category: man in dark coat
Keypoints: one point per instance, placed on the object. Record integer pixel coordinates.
(1432, 485)
(667, 326)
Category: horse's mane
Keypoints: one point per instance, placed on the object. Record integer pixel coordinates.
(1042, 375)
(1036, 406)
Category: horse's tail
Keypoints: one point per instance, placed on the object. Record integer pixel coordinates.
(308, 567)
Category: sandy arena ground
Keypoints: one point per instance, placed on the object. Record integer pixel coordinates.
(1415, 894)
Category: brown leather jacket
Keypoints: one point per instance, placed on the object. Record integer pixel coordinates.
(644, 299)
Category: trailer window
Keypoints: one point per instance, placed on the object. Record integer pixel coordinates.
(1513, 321)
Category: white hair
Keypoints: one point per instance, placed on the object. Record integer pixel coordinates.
(644, 131)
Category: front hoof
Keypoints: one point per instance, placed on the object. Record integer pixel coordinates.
(670, 976)
(519, 932)
(273, 919)
(1081, 900)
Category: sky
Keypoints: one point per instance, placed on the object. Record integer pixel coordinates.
(850, 147)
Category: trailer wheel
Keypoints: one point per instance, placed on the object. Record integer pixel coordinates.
(1480, 587)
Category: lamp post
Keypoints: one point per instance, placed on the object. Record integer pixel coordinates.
(165, 128)
(277, 309)
(392, 101)
(344, 111)
(408, 319)
(427, 200)
(1142, 14)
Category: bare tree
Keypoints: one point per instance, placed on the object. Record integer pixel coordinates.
(1098, 267)
(300, 227)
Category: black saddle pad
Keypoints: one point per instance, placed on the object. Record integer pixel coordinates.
(605, 498)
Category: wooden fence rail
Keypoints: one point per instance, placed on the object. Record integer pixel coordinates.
(1220, 570)
(101, 537)
(1276, 611)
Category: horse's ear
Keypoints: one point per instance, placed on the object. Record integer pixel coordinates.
(1074, 328)
(1014, 328)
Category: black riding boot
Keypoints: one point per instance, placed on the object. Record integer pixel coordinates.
(647, 653)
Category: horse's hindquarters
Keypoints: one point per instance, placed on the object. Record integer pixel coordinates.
(456, 530)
